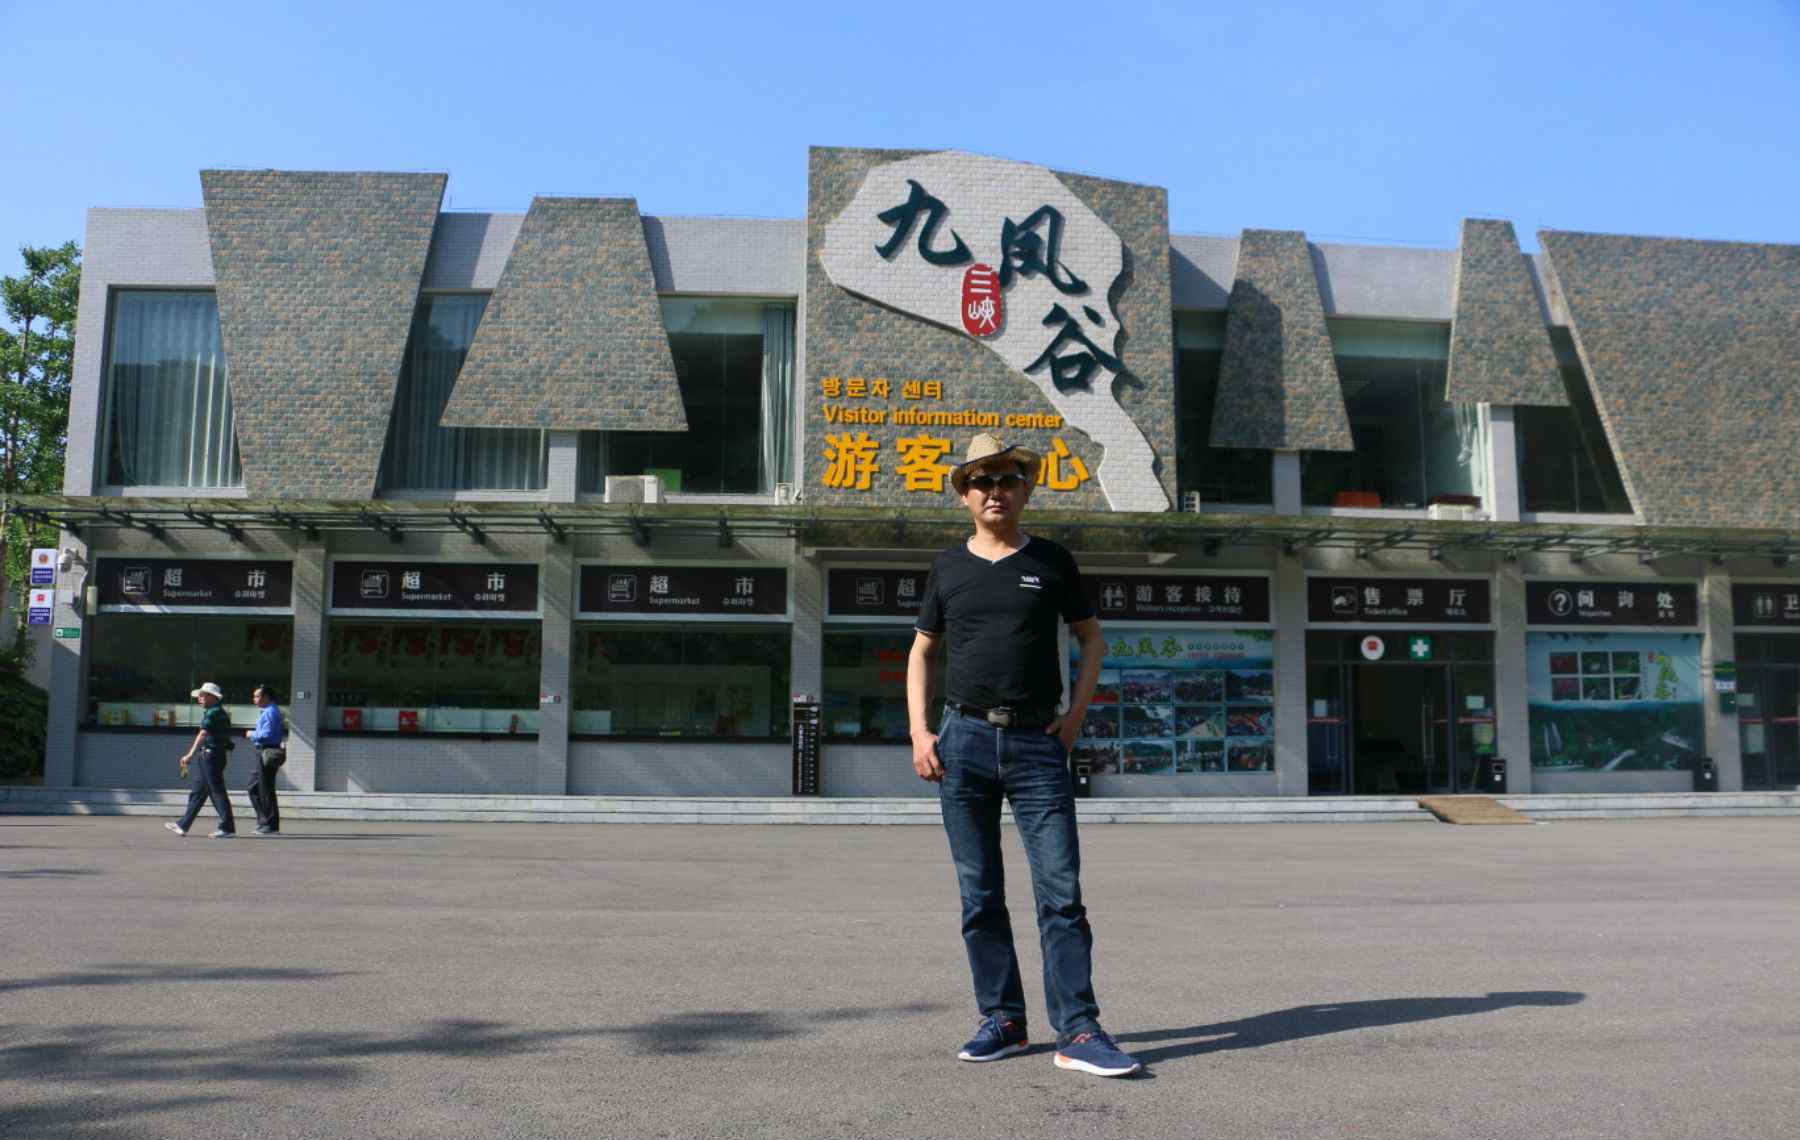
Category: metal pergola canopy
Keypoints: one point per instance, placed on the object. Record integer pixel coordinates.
(887, 527)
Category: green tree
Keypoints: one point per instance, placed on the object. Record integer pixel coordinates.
(37, 356)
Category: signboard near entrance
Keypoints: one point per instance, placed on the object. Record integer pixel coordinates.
(852, 592)
(1762, 604)
(1674, 604)
(1423, 601)
(456, 587)
(159, 585)
(735, 591)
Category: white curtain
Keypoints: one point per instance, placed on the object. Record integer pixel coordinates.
(777, 396)
(169, 416)
(423, 456)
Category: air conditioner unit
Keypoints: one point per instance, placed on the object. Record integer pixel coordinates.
(1455, 512)
(784, 492)
(1190, 502)
(633, 489)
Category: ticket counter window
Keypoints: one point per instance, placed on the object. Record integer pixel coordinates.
(865, 684)
(141, 667)
(686, 681)
(451, 677)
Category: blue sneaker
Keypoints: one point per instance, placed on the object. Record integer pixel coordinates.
(996, 1037)
(1094, 1051)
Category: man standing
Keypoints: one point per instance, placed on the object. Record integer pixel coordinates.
(994, 601)
(269, 740)
(211, 743)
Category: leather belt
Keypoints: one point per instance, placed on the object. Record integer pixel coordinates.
(1021, 718)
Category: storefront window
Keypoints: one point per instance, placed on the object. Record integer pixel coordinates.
(1565, 463)
(735, 363)
(865, 683)
(680, 681)
(1218, 474)
(168, 418)
(141, 667)
(433, 676)
(420, 454)
(1182, 702)
(1413, 448)
(1614, 702)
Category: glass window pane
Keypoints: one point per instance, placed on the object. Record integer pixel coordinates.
(865, 683)
(425, 676)
(168, 419)
(680, 681)
(420, 454)
(1219, 474)
(1565, 462)
(141, 667)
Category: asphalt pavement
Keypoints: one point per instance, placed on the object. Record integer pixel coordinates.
(1607, 979)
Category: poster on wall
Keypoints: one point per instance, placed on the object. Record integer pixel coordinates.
(1616, 702)
(1182, 703)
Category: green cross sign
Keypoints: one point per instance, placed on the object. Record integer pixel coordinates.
(1418, 647)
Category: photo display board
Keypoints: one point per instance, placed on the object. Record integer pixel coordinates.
(500, 588)
(174, 584)
(722, 591)
(1614, 702)
(1612, 603)
(1174, 702)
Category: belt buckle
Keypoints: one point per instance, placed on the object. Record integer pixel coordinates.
(1000, 717)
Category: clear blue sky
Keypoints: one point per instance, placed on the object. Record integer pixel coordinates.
(1381, 122)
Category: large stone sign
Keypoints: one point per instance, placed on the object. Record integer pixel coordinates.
(950, 293)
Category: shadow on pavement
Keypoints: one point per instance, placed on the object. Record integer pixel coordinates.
(131, 974)
(1316, 1020)
(50, 873)
(289, 837)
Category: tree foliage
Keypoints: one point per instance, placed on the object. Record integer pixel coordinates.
(37, 356)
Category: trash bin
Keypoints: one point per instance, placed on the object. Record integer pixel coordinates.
(1706, 775)
(1084, 779)
(1495, 776)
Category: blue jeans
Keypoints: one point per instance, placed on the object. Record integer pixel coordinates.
(982, 766)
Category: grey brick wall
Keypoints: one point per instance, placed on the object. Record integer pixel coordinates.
(573, 337)
(317, 276)
(1692, 349)
(1500, 350)
(847, 335)
(1278, 380)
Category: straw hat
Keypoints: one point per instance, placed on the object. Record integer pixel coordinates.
(209, 688)
(985, 449)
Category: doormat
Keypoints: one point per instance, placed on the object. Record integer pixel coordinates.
(1470, 809)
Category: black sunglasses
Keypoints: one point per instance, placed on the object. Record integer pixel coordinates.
(1008, 481)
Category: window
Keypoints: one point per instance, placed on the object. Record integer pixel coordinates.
(167, 419)
(735, 363)
(680, 681)
(1181, 702)
(1610, 702)
(1218, 474)
(433, 676)
(141, 667)
(1565, 463)
(423, 456)
(865, 683)
(1413, 447)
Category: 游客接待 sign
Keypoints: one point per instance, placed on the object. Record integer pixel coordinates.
(1146, 597)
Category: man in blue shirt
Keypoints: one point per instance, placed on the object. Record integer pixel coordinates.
(269, 738)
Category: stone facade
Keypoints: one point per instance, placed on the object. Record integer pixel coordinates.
(1278, 380)
(1692, 349)
(849, 336)
(573, 336)
(317, 277)
(1500, 351)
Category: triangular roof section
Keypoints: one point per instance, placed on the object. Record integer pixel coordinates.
(317, 274)
(1278, 379)
(1500, 350)
(573, 338)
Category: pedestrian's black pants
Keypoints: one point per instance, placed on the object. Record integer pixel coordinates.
(262, 787)
(209, 782)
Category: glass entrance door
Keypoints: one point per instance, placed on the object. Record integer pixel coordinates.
(1769, 727)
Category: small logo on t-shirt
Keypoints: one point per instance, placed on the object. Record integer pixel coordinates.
(1030, 582)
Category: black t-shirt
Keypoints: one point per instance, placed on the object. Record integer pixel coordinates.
(998, 621)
